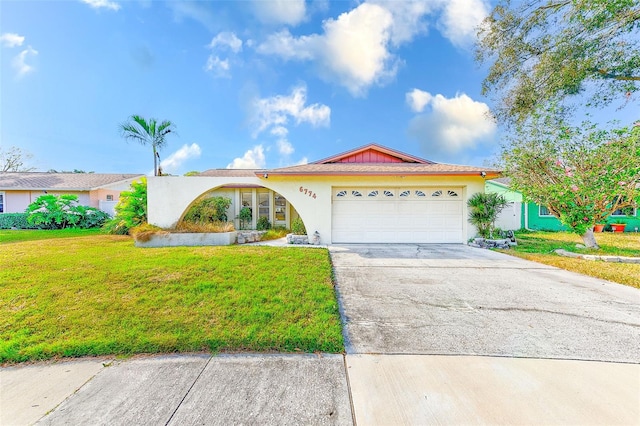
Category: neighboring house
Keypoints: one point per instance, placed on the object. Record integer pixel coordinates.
(535, 217)
(371, 194)
(511, 216)
(100, 190)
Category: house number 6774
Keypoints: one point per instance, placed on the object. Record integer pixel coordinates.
(308, 192)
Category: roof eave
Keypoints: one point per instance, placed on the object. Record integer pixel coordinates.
(452, 173)
(380, 148)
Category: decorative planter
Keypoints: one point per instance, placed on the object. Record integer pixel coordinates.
(598, 227)
(189, 239)
(618, 227)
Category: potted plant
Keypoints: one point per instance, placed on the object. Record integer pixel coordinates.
(599, 227)
(618, 225)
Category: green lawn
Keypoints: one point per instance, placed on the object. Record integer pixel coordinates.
(9, 236)
(540, 246)
(98, 294)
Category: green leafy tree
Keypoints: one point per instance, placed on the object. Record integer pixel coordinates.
(484, 210)
(581, 174)
(546, 51)
(148, 133)
(245, 216)
(131, 210)
(63, 211)
(213, 209)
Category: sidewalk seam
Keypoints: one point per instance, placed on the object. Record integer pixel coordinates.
(188, 391)
(346, 375)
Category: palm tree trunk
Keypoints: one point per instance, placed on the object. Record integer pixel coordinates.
(155, 162)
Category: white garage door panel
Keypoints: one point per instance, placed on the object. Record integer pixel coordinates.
(395, 219)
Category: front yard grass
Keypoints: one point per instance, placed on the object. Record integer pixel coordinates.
(540, 246)
(98, 294)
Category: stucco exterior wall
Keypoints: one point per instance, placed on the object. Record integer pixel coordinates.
(18, 201)
(169, 196)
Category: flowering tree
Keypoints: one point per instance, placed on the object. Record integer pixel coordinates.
(580, 174)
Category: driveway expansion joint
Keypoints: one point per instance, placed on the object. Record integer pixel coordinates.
(188, 391)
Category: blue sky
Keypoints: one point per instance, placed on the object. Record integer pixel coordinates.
(247, 84)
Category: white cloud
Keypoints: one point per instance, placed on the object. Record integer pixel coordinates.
(453, 124)
(304, 160)
(19, 62)
(11, 40)
(274, 113)
(408, 18)
(356, 49)
(218, 66)
(287, 12)
(285, 148)
(252, 159)
(460, 19)
(223, 41)
(286, 46)
(173, 162)
(200, 11)
(352, 51)
(106, 4)
(418, 99)
(228, 40)
(280, 131)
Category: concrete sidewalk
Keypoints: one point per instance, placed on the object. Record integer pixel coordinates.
(318, 389)
(179, 390)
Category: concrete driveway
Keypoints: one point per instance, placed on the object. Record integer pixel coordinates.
(458, 300)
(417, 317)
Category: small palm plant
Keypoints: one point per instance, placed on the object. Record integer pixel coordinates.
(484, 210)
(148, 132)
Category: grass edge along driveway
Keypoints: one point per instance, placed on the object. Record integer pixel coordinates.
(98, 295)
(539, 247)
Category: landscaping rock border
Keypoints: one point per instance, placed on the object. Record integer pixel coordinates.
(489, 244)
(249, 236)
(614, 259)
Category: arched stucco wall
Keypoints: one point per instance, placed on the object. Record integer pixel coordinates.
(169, 196)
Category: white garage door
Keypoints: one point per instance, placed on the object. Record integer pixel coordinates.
(397, 215)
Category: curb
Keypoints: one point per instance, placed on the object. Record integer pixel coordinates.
(613, 259)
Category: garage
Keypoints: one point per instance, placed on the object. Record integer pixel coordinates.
(397, 215)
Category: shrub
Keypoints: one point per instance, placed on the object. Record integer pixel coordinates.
(263, 224)
(274, 234)
(209, 210)
(144, 232)
(245, 217)
(215, 227)
(59, 212)
(297, 226)
(131, 210)
(91, 217)
(483, 211)
(15, 220)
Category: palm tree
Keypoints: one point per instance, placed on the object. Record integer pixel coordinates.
(148, 133)
(484, 210)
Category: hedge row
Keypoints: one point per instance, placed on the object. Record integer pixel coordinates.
(15, 220)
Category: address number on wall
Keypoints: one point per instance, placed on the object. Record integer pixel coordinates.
(308, 192)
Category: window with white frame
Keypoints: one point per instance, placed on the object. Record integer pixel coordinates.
(1, 202)
(544, 211)
(627, 211)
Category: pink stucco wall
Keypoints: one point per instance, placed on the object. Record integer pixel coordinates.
(18, 201)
